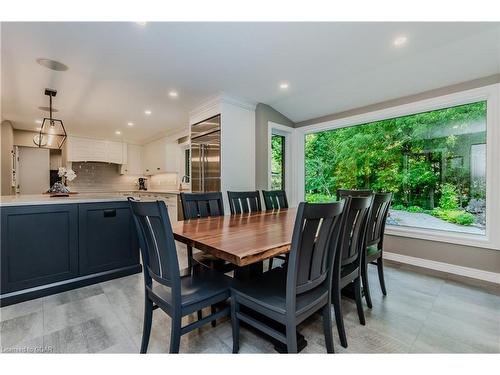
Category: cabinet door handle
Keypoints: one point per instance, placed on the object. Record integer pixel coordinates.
(109, 213)
(158, 169)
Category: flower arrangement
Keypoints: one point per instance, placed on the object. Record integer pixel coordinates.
(66, 174)
(59, 188)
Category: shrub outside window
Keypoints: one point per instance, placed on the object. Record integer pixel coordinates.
(434, 162)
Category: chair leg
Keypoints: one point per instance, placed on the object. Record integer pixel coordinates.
(339, 319)
(380, 268)
(200, 314)
(366, 286)
(270, 264)
(359, 302)
(190, 257)
(291, 338)
(148, 319)
(235, 325)
(327, 328)
(213, 311)
(175, 334)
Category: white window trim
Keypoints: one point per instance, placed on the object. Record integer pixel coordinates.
(290, 162)
(489, 93)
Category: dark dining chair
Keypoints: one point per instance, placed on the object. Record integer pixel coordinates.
(375, 242)
(347, 266)
(292, 295)
(344, 193)
(274, 200)
(244, 201)
(201, 205)
(164, 286)
(375, 236)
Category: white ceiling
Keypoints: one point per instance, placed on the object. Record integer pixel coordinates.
(117, 70)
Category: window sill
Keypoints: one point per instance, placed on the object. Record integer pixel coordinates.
(441, 236)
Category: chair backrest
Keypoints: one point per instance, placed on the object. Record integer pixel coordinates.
(156, 240)
(275, 199)
(311, 256)
(353, 234)
(378, 215)
(344, 193)
(196, 205)
(244, 201)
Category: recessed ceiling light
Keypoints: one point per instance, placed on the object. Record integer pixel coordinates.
(52, 64)
(400, 41)
(38, 121)
(284, 85)
(173, 94)
(38, 129)
(142, 23)
(147, 112)
(118, 132)
(130, 123)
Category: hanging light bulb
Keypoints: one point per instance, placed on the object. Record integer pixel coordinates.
(52, 131)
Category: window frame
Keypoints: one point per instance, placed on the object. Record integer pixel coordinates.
(490, 94)
(290, 160)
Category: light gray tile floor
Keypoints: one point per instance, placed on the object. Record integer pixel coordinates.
(424, 312)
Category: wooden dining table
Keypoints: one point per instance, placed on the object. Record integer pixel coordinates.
(241, 239)
(245, 240)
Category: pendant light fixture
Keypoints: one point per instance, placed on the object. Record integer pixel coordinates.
(52, 133)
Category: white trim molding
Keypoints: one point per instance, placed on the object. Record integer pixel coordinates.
(473, 273)
(491, 94)
(212, 104)
(290, 167)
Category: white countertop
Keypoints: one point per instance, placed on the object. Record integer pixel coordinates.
(36, 199)
(154, 191)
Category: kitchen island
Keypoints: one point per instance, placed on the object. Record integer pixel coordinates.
(50, 245)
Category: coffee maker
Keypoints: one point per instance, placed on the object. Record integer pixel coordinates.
(142, 183)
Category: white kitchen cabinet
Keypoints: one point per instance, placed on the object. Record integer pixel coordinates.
(171, 203)
(170, 199)
(133, 164)
(86, 149)
(161, 157)
(114, 152)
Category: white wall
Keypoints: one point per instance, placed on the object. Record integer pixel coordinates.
(7, 143)
(237, 148)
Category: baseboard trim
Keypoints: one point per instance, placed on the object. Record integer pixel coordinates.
(474, 273)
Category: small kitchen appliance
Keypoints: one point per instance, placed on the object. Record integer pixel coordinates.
(142, 183)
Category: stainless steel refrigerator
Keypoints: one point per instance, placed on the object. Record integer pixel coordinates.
(205, 156)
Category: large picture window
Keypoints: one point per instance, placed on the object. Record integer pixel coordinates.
(434, 162)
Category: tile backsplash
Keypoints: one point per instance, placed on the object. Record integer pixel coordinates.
(105, 177)
(163, 181)
(100, 177)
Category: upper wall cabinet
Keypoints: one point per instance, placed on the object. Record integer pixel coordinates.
(86, 149)
(160, 156)
(133, 164)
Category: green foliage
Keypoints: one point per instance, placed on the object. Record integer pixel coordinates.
(319, 198)
(415, 209)
(398, 207)
(454, 216)
(449, 197)
(277, 162)
(405, 155)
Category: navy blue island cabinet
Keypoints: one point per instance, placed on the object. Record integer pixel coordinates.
(50, 248)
